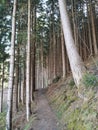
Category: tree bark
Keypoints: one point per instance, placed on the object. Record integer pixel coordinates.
(89, 31)
(24, 78)
(11, 73)
(93, 30)
(42, 67)
(1, 110)
(76, 63)
(15, 90)
(63, 54)
(28, 67)
(34, 49)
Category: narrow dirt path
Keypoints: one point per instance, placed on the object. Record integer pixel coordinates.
(46, 119)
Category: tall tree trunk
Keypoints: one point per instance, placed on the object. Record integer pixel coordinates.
(76, 63)
(74, 24)
(1, 110)
(50, 59)
(63, 54)
(84, 43)
(24, 78)
(38, 70)
(34, 48)
(93, 30)
(54, 53)
(11, 73)
(28, 67)
(42, 67)
(15, 90)
(89, 31)
(33, 85)
(22, 90)
(19, 87)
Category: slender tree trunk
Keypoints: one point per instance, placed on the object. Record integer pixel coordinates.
(80, 48)
(42, 70)
(76, 62)
(34, 49)
(34, 86)
(24, 86)
(19, 86)
(11, 73)
(24, 78)
(93, 30)
(84, 43)
(89, 32)
(63, 53)
(37, 80)
(90, 39)
(54, 54)
(22, 90)
(37, 70)
(28, 67)
(1, 110)
(50, 59)
(15, 90)
(59, 56)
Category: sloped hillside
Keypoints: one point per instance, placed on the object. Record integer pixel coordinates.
(76, 111)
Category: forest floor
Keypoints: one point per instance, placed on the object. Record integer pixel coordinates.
(46, 119)
(76, 109)
(43, 117)
(59, 106)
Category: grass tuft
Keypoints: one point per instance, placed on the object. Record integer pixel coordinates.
(89, 80)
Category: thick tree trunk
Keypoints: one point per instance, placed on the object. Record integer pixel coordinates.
(76, 62)
(11, 73)
(74, 24)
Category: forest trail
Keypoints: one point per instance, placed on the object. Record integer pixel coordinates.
(46, 119)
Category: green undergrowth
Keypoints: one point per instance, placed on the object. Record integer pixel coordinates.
(19, 119)
(90, 80)
(72, 111)
(2, 120)
(29, 124)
